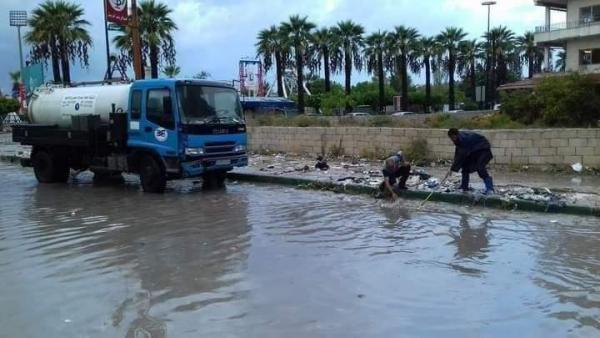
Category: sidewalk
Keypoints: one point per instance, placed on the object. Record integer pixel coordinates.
(562, 189)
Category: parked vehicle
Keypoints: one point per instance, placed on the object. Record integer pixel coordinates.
(359, 115)
(159, 129)
(403, 113)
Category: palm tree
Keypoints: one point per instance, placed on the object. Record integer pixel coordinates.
(428, 52)
(58, 33)
(376, 46)
(404, 44)
(530, 53)
(561, 62)
(270, 46)
(15, 78)
(156, 35)
(504, 57)
(469, 52)
(296, 34)
(202, 75)
(350, 41)
(323, 45)
(171, 71)
(449, 41)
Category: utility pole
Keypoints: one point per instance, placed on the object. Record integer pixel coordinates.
(108, 74)
(488, 87)
(134, 25)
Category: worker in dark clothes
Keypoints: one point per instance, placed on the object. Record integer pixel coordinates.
(395, 168)
(473, 153)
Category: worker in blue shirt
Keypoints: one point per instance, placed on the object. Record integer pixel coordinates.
(473, 153)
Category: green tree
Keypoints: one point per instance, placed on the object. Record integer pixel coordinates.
(450, 40)
(297, 34)
(376, 47)
(428, 50)
(469, 52)
(350, 38)
(58, 32)
(530, 53)
(403, 44)
(505, 62)
(156, 35)
(202, 75)
(322, 43)
(270, 47)
(171, 71)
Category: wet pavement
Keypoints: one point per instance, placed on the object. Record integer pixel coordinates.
(80, 260)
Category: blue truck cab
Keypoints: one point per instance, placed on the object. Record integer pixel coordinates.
(171, 129)
(195, 127)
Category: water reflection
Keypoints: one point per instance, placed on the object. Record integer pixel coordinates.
(178, 246)
(471, 237)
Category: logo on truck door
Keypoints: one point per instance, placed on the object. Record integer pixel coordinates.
(161, 134)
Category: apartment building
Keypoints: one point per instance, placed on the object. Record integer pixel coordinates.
(579, 35)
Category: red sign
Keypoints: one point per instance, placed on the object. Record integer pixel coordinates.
(116, 11)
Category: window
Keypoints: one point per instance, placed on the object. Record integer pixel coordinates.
(136, 104)
(589, 14)
(589, 56)
(155, 109)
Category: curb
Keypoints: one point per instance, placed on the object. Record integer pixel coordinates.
(486, 202)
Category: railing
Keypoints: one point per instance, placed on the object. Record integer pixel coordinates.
(567, 25)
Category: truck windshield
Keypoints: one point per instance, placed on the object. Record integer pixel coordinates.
(206, 104)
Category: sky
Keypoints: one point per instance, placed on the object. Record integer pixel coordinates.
(213, 35)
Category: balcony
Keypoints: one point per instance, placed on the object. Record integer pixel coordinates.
(561, 32)
(554, 4)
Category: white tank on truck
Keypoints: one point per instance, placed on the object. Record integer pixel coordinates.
(55, 106)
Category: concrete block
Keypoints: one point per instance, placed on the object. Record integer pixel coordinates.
(578, 142)
(498, 151)
(568, 133)
(572, 159)
(565, 151)
(501, 159)
(585, 151)
(541, 142)
(531, 151)
(519, 160)
(585, 133)
(507, 144)
(559, 142)
(550, 134)
(550, 151)
(514, 151)
(592, 161)
(524, 143)
(593, 142)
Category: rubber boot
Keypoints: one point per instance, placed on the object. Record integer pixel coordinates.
(464, 184)
(489, 185)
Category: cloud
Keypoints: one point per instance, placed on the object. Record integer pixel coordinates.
(214, 34)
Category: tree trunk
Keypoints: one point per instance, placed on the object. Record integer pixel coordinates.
(348, 69)
(381, 76)
(427, 85)
(154, 62)
(55, 56)
(404, 98)
(473, 81)
(326, 66)
(279, 71)
(451, 66)
(64, 59)
(531, 65)
(300, 77)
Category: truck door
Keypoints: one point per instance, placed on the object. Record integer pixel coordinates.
(158, 122)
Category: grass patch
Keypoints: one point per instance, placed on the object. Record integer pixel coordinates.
(418, 152)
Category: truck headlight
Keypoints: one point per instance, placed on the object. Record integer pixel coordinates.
(239, 148)
(194, 151)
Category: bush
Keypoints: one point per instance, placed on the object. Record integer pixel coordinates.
(562, 101)
(418, 151)
(8, 105)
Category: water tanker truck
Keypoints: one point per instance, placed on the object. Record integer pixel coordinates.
(158, 129)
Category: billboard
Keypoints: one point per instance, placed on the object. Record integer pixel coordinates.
(116, 11)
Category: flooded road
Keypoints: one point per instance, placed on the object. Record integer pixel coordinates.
(265, 261)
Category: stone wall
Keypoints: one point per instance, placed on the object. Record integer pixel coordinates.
(522, 146)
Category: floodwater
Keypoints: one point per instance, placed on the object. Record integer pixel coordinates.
(80, 260)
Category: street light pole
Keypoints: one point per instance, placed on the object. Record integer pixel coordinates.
(488, 86)
(19, 19)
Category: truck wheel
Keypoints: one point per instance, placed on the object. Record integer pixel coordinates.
(61, 168)
(152, 175)
(43, 167)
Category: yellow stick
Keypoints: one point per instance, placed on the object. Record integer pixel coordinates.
(432, 191)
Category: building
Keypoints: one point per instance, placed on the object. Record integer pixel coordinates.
(579, 35)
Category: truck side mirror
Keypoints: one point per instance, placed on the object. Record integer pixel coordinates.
(167, 106)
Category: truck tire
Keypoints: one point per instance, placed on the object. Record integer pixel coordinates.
(50, 167)
(152, 175)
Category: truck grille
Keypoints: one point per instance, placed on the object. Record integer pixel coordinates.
(219, 147)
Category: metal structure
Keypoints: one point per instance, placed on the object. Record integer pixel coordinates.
(489, 87)
(19, 19)
(251, 78)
